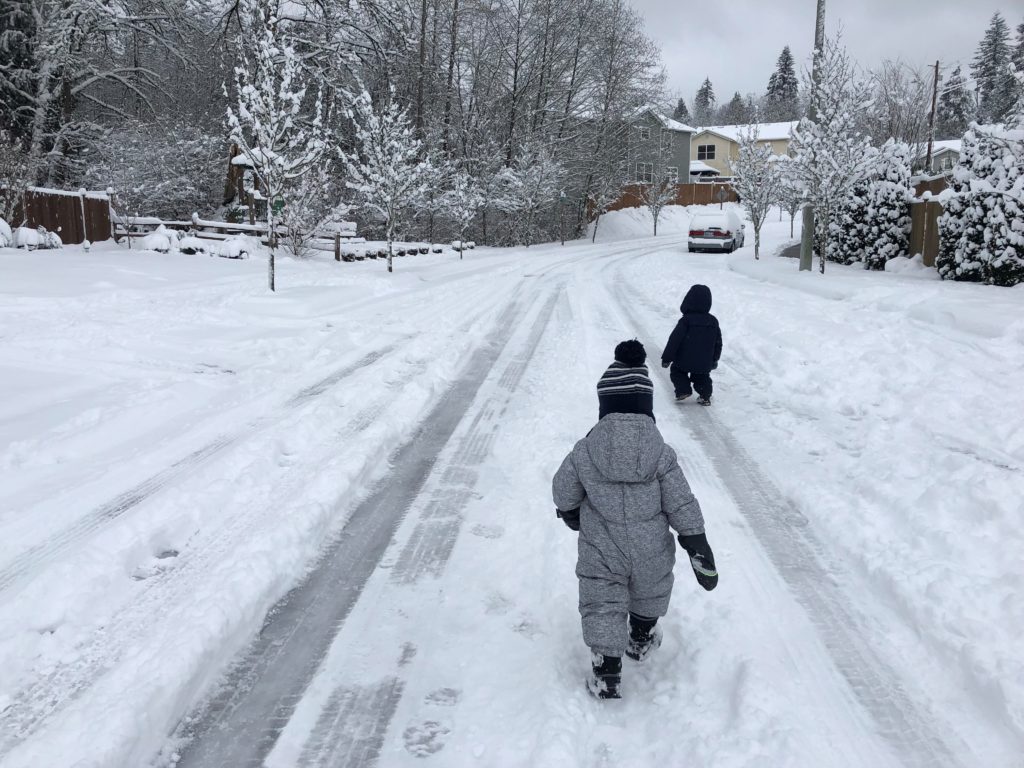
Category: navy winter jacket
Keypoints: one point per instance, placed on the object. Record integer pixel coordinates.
(696, 342)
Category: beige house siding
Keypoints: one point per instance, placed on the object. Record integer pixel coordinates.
(723, 151)
(727, 151)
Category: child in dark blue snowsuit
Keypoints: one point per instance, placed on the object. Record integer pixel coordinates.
(694, 347)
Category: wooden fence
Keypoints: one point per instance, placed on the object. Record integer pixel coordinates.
(924, 218)
(75, 216)
(686, 194)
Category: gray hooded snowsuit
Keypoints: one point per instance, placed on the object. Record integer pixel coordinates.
(630, 489)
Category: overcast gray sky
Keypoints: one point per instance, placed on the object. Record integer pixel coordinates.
(736, 42)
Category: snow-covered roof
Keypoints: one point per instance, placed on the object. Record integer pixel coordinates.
(699, 166)
(766, 131)
(938, 147)
(666, 122)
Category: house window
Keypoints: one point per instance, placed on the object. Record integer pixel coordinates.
(643, 131)
(672, 174)
(705, 151)
(645, 172)
(666, 139)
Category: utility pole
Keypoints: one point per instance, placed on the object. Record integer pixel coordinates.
(931, 121)
(807, 235)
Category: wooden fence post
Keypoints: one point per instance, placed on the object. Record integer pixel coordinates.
(337, 246)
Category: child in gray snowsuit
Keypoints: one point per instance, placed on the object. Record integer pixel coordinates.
(622, 488)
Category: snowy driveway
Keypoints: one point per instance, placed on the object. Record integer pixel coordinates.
(375, 472)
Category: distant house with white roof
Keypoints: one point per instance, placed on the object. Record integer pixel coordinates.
(945, 155)
(719, 145)
(658, 146)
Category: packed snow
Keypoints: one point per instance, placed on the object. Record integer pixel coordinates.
(180, 449)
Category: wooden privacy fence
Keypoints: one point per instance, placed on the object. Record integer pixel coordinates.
(924, 219)
(75, 216)
(686, 194)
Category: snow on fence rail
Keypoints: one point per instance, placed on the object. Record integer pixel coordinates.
(329, 239)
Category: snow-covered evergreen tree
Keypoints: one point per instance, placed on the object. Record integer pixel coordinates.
(735, 112)
(756, 179)
(848, 226)
(982, 229)
(781, 101)
(384, 170)
(270, 123)
(991, 70)
(705, 104)
(955, 109)
(681, 113)
(887, 217)
(831, 158)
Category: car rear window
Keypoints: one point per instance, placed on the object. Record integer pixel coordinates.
(706, 222)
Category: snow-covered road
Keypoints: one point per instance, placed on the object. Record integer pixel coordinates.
(315, 529)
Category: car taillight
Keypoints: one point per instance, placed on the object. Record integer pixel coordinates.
(696, 233)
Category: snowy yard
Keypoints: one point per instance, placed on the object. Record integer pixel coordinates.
(181, 451)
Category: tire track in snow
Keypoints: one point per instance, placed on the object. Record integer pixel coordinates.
(243, 720)
(433, 539)
(801, 560)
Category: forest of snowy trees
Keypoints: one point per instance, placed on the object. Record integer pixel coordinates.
(515, 108)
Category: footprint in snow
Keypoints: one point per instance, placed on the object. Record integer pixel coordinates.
(444, 697)
(496, 603)
(426, 738)
(488, 531)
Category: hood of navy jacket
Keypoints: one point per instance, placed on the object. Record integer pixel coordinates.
(625, 447)
(697, 301)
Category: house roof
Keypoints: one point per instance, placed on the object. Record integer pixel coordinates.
(766, 131)
(947, 145)
(666, 122)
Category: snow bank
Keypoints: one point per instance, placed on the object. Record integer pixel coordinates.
(629, 223)
(911, 267)
(6, 236)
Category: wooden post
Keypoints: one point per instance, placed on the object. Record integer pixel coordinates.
(337, 246)
(931, 121)
(252, 208)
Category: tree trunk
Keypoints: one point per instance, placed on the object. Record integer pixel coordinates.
(420, 77)
(597, 221)
(272, 242)
(757, 242)
(451, 76)
(792, 219)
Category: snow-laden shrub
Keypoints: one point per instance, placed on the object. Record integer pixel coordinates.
(237, 247)
(873, 223)
(161, 240)
(31, 239)
(887, 218)
(982, 230)
(6, 235)
(191, 245)
(27, 238)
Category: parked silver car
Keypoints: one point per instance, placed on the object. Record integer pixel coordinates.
(717, 231)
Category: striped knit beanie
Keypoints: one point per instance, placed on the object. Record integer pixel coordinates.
(626, 386)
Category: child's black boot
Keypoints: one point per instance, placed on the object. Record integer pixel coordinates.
(644, 637)
(606, 676)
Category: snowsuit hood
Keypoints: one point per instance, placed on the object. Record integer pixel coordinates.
(697, 300)
(625, 448)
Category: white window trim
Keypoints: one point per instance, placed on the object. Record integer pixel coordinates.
(672, 174)
(644, 132)
(705, 147)
(644, 173)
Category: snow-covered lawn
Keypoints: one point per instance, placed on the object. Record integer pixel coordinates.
(177, 448)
